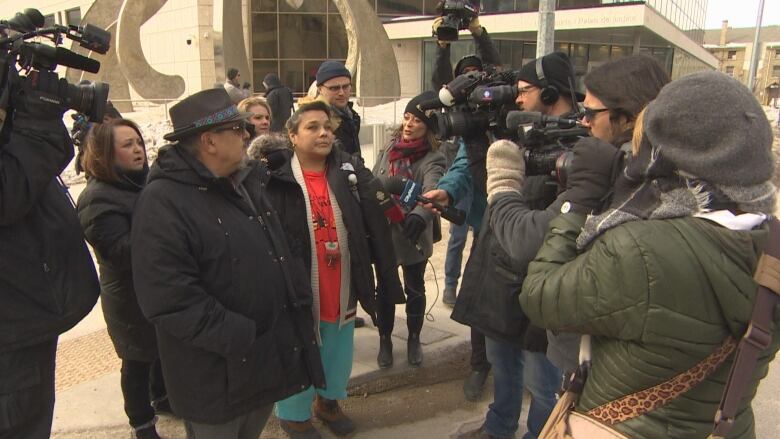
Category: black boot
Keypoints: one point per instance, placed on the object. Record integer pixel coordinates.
(385, 357)
(414, 352)
(474, 384)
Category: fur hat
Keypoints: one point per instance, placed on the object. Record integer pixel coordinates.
(708, 125)
(331, 69)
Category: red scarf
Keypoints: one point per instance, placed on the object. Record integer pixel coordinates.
(402, 154)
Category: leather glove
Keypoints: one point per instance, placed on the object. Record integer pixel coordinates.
(414, 225)
(505, 168)
(590, 178)
(39, 100)
(474, 27)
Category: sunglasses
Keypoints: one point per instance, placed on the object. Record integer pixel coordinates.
(590, 113)
(238, 128)
(335, 88)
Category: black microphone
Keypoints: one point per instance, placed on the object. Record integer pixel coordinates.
(65, 57)
(409, 193)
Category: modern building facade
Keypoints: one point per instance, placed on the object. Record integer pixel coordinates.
(292, 37)
(734, 48)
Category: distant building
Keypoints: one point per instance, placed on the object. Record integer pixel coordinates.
(734, 48)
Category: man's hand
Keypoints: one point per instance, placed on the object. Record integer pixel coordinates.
(590, 178)
(474, 27)
(505, 168)
(439, 196)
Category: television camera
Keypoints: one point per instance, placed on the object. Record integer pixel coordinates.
(455, 16)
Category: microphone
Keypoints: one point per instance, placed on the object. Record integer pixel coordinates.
(516, 118)
(389, 207)
(409, 192)
(59, 56)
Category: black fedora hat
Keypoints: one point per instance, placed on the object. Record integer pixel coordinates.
(201, 112)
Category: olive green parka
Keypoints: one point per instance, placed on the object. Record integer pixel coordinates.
(657, 296)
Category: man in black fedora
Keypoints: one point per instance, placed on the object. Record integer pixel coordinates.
(213, 273)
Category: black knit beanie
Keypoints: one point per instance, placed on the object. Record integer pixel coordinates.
(412, 107)
(558, 71)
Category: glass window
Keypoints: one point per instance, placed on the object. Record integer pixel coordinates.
(730, 70)
(310, 72)
(776, 70)
(579, 57)
(496, 6)
(291, 73)
(529, 52)
(526, 5)
(777, 52)
(73, 17)
(48, 20)
(301, 36)
(306, 6)
(619, 52)
(597, 55)
(264, 5)
(400, 7)
(338, 46)
(562, 47)
(264, 38)
(732, 54)
(259, 70)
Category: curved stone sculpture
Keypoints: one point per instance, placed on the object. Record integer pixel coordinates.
(229, 47)
(369, 48)
(149, 83)
(103, 14)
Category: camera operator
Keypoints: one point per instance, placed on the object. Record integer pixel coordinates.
(47, 279)
(615, 94)
(492, 278)
(443, 73)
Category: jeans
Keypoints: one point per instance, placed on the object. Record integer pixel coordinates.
(456, 244)
(513, 369)
(414, 288)
(141, 383)
(27, 391)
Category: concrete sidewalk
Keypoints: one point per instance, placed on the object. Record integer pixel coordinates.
(89, 399)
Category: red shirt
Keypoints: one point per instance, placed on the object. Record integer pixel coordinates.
(329, 268)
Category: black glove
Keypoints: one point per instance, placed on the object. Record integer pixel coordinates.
(39, 99)
(590, 179)
(414, 225)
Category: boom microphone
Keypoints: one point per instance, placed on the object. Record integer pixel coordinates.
(46, 54)
(409, 191)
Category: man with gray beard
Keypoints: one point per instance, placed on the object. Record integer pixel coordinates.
(213, 272)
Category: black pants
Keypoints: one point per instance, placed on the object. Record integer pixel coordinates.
(414, 288)
(479, 361)
(247, 426)
(27, 391)
(141, 382)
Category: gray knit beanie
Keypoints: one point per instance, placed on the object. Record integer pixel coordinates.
(711, 127)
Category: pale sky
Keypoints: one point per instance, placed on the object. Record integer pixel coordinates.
(741, 13)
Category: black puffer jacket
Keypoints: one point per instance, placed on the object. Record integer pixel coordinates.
(106, 212)
(369, 237)
(280, 99)
(215, 276)
(47, 278)
(348, 129)
(492, 279)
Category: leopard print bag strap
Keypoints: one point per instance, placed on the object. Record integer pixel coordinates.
(644, 401)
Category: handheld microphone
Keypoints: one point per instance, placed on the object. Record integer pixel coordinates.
(409, 192)
(389, 207)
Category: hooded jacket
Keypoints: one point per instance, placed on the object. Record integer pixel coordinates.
(47, 278)
(657, 296)
(280, 99)
(214, 273)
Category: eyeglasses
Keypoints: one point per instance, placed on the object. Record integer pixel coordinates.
(335, 88)
(590, 113)
(238, 128)
(525, 90)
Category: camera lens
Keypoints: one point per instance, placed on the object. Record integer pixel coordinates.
(89, 99)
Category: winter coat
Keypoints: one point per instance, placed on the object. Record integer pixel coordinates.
(236, 93)
(106, 210)
(657, 296)
(280, 99)
(347, 129)
(368, 236)
(494, 273)
(467, 174)
(426, 171)
(214, 273)
(443, 71)
(47, 278)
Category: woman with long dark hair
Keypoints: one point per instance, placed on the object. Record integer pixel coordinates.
(411, 154)
(116, 167)
(336, 231)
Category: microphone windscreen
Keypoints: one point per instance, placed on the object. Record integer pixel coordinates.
(65, 57)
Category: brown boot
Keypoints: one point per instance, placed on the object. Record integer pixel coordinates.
(329, 412)
(299, 430)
